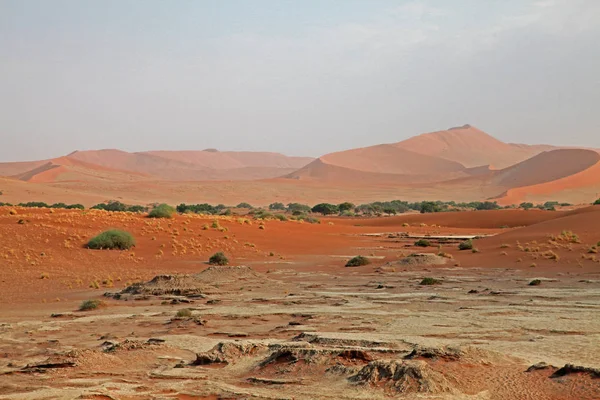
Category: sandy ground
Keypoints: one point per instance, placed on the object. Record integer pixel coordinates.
(294, 323)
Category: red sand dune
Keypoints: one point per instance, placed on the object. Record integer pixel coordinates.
(584, 222)
(444, 165)
(169, 166)
(581, 186)
(470, 147)
(381, 163)
(17, 168)
(233, 159)
(490, 219)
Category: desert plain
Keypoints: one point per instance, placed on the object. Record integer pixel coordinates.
(516, 317)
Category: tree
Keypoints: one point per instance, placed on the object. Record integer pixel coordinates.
(487, 205)
(277, 206)
(298, 208)
(244, 205)
(526, 206)
(111, 206)
(429, 207)
(346, 206)
(389, 211)
(325, 209)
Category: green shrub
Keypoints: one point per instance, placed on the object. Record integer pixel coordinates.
(325, 209)
(111, 206)
(298, 208)
(535, 282)
(347, 206)
(313, 220)
(430, 281)
(597, 202)
(429, 207)
(218, 259)
(526, 206)
(112, 239)
(34, 204)
(184, 313)
(358, 261)
(280, 217)
(162, 211)
(88, 305)
(244, 205)
(466, 245)
(137, 209)
(204, 208)
(277, 207)
(422, 243)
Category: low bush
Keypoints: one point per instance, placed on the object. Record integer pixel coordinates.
(597, 202)
(358, 261)
(466, 245)
(88, 305)
(535, 282)
(277, 207)
(34, 204)
(245, 205)
(422, 243)
(112, 239)
(183, 313)
(430, 281)
(218, 259)
(162, 211)
(280, 217)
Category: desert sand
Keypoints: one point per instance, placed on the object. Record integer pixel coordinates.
(287, 320)
(460, 164)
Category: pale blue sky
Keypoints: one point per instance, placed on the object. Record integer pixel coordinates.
(300, 77)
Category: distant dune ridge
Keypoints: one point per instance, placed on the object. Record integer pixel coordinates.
(455, 164)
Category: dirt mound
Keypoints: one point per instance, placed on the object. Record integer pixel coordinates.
(403, 377)
(466, 354)
(228, 352)
(194, 285)
(569, 369)
(160, 285)
(347, 340)
(419, 259)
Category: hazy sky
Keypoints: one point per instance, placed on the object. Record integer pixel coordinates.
(301, 77)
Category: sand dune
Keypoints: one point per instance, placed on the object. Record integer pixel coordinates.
(381, 163)
(160, 165)
(233, 159)
(583, 222)
(470, 147)
(462, 164)
(578, 187)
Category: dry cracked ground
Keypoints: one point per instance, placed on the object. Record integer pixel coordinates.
(233, 333)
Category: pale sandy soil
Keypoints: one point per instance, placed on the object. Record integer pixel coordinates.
(295, 323)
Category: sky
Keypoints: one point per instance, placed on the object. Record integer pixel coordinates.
(303, 77)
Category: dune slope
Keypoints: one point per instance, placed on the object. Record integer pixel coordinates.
(471, 147)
